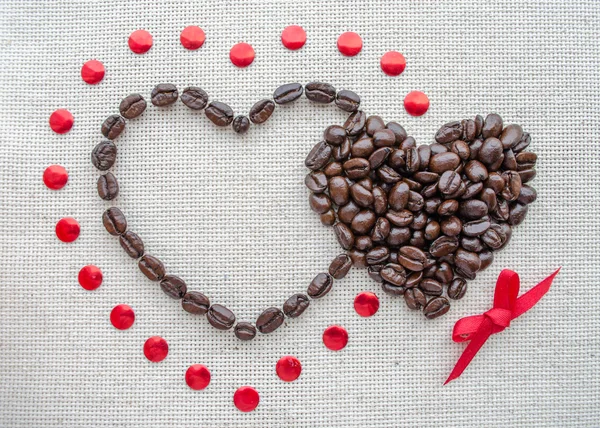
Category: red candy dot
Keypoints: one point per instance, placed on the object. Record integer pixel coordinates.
(241, 55)
(122, 317)
(67, 229)
(288, 368)
(140, 41)
(393, 63)
(335, 337)
(61, 121)
(55, 177)
(366, 304)
(416, 103)
(90, 277)
(92, 72)
(192, 37)
(293, 37)
(246, 399)
(349, 44)
(197, 377)
(156, 349)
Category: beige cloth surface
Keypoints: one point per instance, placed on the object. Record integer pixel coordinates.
(229, 214)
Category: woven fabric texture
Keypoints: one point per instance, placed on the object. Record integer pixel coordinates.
(229, 214)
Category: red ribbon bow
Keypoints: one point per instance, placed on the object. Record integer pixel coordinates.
(507, 307)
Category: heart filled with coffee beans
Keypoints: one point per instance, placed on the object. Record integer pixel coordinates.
(422, 219)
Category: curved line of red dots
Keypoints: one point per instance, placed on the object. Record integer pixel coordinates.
(90, 277)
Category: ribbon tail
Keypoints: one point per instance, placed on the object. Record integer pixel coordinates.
(479, 338)
(530, 299)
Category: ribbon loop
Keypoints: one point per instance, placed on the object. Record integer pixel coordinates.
(500, 317)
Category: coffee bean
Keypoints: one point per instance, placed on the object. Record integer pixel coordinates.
(381, 230)
(113, 126)
(355, 123)
(510, 136)
(457, 288)
(494, 237)
(426, 177)
(495, 182)
(356, 168)
(512, 186)
(459, 192)
(219, 113)
(486, 257)
(173, 286)
(437, 148)
(473, 189)
(319, 203)
(328, 218)
(378, 255)
(394, 274)
(194, 98)
(469, 130)
(431, 287)
(491, 151)
(244, 331)
(320, 285)
(346, 213)
(473, 244)
(415, 201)
(318, 156)
(287, 93)
(451, 226)
(492, 126)
(295, 305)
(510, 161)
(341, 152)
(415, 299)
(392, 289)
(152, 267)
(333, 169)
(132, 244)
(363, 222)
(412, 258)
(362, 196)
(388, 175)
(114, 221)
(442, 162)
(319, 92)
(412, 161)
(461, 149)
(467, 261)
(523, 144)
(383, 138)
(378, 157)
(261, 111)
(444, 273)
(432, 230)
(448, 207)
(340, 266)
(339, 191)
(241, 124)
(399, 132)
(334, 135)
(527, 195)
(449, 182)
(347, 100)
(444, 245)
(436, 307)
(502, 210)
(132, 106)
(108, 186)
(517, 214)
(527, 175)
(476, 227)
(432, 203)
(363, 243)
(270, 320)
(220, 317)
(419, 221)
(316, 182)
(359, 258)
(164, 94)
(195, 303)
(344, 236)
(104, 155)
(472, 209)
(476, 171)
(449, 132)
(525, 160)
(400, 218)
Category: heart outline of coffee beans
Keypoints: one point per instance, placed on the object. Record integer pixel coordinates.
(422, 219)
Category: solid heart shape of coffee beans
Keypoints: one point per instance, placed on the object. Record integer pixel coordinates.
(422, 219)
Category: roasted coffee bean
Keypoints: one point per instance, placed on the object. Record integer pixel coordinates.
(340, 266)
(494, 237)
(502, 210)
(344, 235)
(419, 221)
(261, 111)
(412, 161)
(104, 155)
(173, 286)
(426, 177)
(152, 267)
(132, 106)
(473, 189)
(496, 165)
(108, 186)
(398, 197)
(449, 182)
(241, 124)
(451, 226)
(462, 189)
(383, 138)
(512, 186)
(398, 236)
(444, 273)
(362, 148)
(415, 299)
(432, 203)
(374, 272)
(527, 195)
(471, 243)
(417, 239)
(333, 169)
(347, 212)
(432, 230)
(359, 258)
(339, 190)
(495, 182)
(378, 157)
(415, 201)
(318, 156)
(320, 285)
(381, 230)
(444, 245)
(474, 147)
(270, 320)
(114, 221)
(296, 305)
(219, 113)
(489, 197)
(334, 135)
(194, 98)
(400, 218)
(486, 257)
(363, 243)
(398, 130)
(525, 160)
(476, 227)
(220, 317)
(355, 123)
(517, 214)
(424, 152)
(469, 130)
(393, 274)
(356, 168)
(492, 126)
(476, 171)
(164, 94)
(448, 207)
(392, 289)
(442, 162)
(378, 255)
(457, 288)
(431, 287)
(509, 162)
(288, 93)
(319, 92)
(341, 152)
(412, 258)
(113, 126)
(397, 160)
(328, 218)
(491, 151)
(374, 124)
(319, 203)
(388, 175)
(467, 261)
(449, 132)
(195, 303)
(413, 279)
(347, 100)
(132, 244)
(523, 144)
(478, 124)
(437, 148)
(436, 307)
(527, 175)
(363, 197)
(316, 181)
(511, 135)
(472, 209)
(244, 331)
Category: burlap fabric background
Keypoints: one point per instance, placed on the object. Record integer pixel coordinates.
(230, 215)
